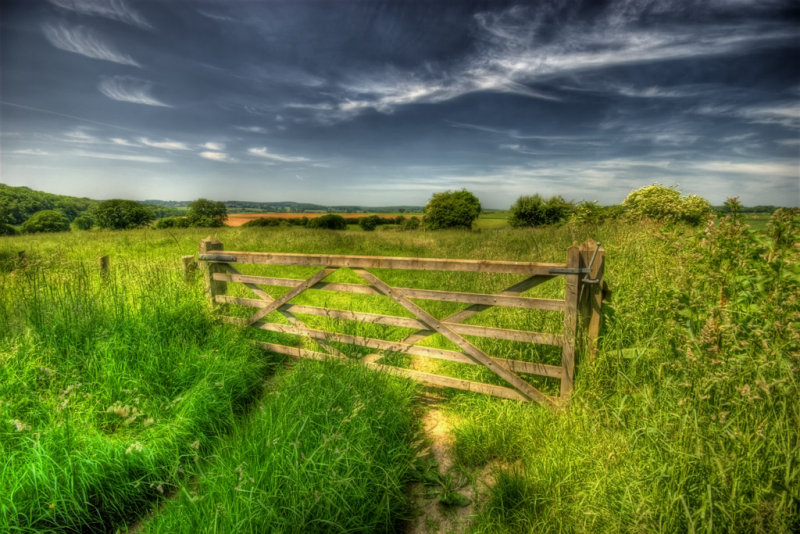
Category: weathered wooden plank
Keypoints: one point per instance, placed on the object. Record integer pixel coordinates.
(531, 368)
(570, 323)
(277, 303)
(485, 299)
(403, 322)
(475, 309)
(450, 382)
(419, 376)
(382, 262)
(214, 287)
(471, 350)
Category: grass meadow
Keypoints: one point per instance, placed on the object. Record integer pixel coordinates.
(119, 393)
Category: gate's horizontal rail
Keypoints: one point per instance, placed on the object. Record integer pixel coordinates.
(424, 294)
(404, 322)
(381, 262)
(419, 376)
(531, 368)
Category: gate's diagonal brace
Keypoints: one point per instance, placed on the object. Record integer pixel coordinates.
(289, 315)
(299, 288)
(469, 349)
(471, 311)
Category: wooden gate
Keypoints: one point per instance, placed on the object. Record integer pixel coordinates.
(581, 305)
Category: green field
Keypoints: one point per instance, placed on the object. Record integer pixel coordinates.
(124, 403)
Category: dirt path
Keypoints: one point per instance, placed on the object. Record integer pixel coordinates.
(436, 517)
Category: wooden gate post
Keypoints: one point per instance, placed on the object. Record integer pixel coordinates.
(102, 262)
(213, 287)
(189, 266)
(593, 297)
(570, 322)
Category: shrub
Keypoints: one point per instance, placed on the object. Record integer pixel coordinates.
(264, 221)
(7, 229)
(118, 214)
(412, 223)
(533, 210)
(369, 223)
(173, 222)
(46, 221)
(589, 212)
(450, 209)
(665, 204)
(204, 212)
(399, 220)
(329, 221)
(84, 222)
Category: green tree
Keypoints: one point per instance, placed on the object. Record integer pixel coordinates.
(451, 209)
(204, 212)
(46, 221)
(534, 210)
(118, 214)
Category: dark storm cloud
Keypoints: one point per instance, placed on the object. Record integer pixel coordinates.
(386, 102)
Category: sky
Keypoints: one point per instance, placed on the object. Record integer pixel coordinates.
(385, 103)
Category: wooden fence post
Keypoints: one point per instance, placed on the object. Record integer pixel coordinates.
(22, 258)
(189, 266)
(570, 322)
(594, 299)
(102, 262)
(213, 287)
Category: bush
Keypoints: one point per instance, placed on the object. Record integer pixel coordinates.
(412, 223)
(589, 212)
(264, 221)
(7, 229)
(118, 214)
(369, 223)
(84, 222)
(46, 221)
(173, 222)
(329, 221)
(450, 209)
(533, 210)
(665, 204)
(203, 212)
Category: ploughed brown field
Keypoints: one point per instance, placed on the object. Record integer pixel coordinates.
(238, 219)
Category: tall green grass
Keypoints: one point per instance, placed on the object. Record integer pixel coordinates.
(327, 451)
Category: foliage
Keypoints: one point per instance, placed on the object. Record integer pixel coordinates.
(533, 210)
(451, 209)
(20, 203)
(411, 223)
(173, 222)
(329, 221)
(666, 204)
(46, 221)
(84, 222)
(7, 229)
(369, 223)
(593, 214)
(207, 213)
(117, 214)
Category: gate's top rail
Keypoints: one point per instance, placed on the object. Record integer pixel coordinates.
(382, 262)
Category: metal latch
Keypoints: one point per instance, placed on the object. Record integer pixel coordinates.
(216, 257)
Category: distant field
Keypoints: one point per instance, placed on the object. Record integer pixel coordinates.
(238, 219)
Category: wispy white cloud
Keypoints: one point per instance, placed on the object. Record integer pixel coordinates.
(110, 9)
(83, 41)
(119, 157)
(129, 89)
(215, 156)
(263, 152)
(786, 114)
(122, 142)
(252, 129)
(165, 145)
(216, 147)
(81, 135)
(30, 152)
(750, 168)
(521, 48)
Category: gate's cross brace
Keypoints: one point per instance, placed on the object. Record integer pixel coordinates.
(471, 311)
(469, 349)
(299, 288)
(289, 315)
